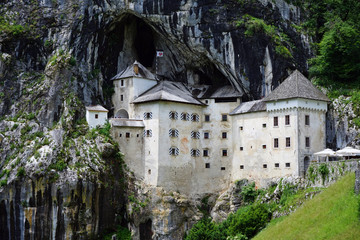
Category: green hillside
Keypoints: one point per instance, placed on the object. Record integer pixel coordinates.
(333, 214)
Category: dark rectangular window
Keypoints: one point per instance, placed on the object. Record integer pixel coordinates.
(121, 97)
(276, 143)
(241, 128)
(120, 135)
(287, 164)
(207, 165)
(224, 117)
(127, 135)
(222, 168)
(224, 152)
(307, 120)
(264, 146)
(264, 165)
(96, 116)
(207, 118)
(122, 83)
(276, 121)
(307, 142)
(264, 125)
(288, 143)
(206, 135)
(220, 100)
(241, 148)
(241, 166)
(277, 165)
(224, 135)
(206, 153)
(287, 119)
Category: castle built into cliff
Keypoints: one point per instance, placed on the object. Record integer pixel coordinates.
(200, 138)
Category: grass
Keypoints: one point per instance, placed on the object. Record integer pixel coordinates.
(333, 214)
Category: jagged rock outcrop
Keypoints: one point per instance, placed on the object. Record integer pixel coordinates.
(57, 56)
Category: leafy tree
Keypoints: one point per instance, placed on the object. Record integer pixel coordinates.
(205, 229)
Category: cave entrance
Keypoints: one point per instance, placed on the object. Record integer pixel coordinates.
(144, 43)
(145, 230)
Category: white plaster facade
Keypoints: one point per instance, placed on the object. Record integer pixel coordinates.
(96, 116)
(218, 142)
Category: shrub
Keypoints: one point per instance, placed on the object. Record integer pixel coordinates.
(324, 171)
(205, 229)
(248, 193)
(21, 172)
(122, 233)
(250, 221)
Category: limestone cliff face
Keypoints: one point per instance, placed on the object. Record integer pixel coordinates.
(57, 56)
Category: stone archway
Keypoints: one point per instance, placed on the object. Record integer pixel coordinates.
(122, 113)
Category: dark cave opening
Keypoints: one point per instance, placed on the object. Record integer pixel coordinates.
(144, 43)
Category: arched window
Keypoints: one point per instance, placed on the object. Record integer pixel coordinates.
(195, 117)
(173, 151)
(122, 113)
(185, 116)
(195, 135)
(195, 152)
(173, 133)
(173, 115)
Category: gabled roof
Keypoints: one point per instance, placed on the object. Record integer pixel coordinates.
(97, 108)
(296, 86)
(129, 72)
(168, 91)
(248, 107)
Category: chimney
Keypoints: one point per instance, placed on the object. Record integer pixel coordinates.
(136, 68)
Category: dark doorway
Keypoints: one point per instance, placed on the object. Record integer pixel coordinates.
(306, 163)
(145, 230)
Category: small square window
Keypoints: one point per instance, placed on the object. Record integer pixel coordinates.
(288, 143)
(207, 165)
(149, 171)
(224, 135)
(137, 135)
(276, 143)
(287, 120)
(222, 168)
(206, 101)
(264, 165)
(224, 152)
(241, 128)
(307, 120)
(276, 121)
(287, 164)
(121, 97)
(241, 148)
(307, 142)
(241, 166)
(277, 165)
(264, 125)
(120, 135)
(207, 118)
(206, 153)
(127, 135)
(264, 146)
(206, 135)
(224, 117)
(96, 116)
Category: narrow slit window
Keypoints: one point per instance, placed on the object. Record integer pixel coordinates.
(288, 142)
(276, 121)
(307, 120)
(276, 143)
(287, 120)
(96, 116)
(307, 142)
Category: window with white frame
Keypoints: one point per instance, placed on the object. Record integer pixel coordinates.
(276, 143)
(287, 120)
(206, 135)
(224, 152)
(195, 135)
(173, 151)
(185, 116)
(307, 142)
(287, 142)
(173, 115)
(307, 120)
(148, 115)
(173, 133)
(195, 152)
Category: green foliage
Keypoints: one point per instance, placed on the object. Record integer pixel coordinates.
(324, 171)
(72, 61)
(3, 182)
(248, 193)
(205, 229)
(10, 27)
(60, 165)
(122, 233)
(21, 172)
(250, 221)
(255, 26)
(311, 174)
(25, 129)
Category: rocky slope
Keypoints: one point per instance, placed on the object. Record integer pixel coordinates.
(57, 56)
